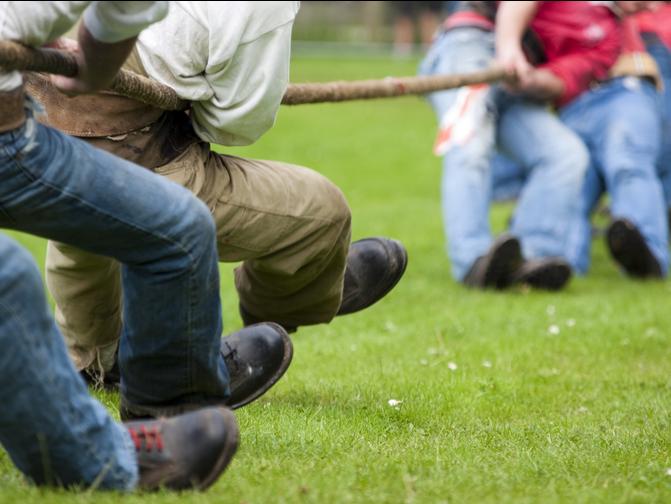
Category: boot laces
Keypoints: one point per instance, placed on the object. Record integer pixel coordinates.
(150, 438)
(231, 356)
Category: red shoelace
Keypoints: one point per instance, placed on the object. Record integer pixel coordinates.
(151, 437)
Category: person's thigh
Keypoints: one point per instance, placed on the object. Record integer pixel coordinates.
(266, 206)
(631, 129)
(60, 188)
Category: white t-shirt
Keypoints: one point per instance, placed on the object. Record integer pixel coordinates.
(36, 23)
(230, 59)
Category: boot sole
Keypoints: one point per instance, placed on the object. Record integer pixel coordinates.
(286, 361)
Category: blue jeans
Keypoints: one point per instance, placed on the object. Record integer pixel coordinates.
(621, 124)
(52, 429)
(662, 55)
(508, 179)
(57, 187)
(553, 158)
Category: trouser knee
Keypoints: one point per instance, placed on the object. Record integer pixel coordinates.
(339, 211)
(195, 230)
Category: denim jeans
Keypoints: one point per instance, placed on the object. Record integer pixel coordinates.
(60, 188)
(508, 178)
(552, 156)
(52, 429)
(662, 55)
(621, 124)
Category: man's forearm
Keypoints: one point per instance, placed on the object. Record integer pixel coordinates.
(106, 37)
(512, 19)
(101, 60)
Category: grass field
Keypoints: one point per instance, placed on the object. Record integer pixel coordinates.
(495, 405)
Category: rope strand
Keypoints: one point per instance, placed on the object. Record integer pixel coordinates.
(14, 56)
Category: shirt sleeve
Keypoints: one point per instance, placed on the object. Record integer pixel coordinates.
(35, 23)
(247, 90)
(114, 21)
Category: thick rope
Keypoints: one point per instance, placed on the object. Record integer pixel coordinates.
(298, 94)
(15, 56)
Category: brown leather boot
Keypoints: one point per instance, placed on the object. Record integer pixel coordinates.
(256, 358)
(374, 267)
(184, 452)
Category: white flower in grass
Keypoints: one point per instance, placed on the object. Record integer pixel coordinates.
(452, 366)
(394, 403)
(486, 363)
(553, 329)
(550, 310)
(668, 471)
(570, 322)
(651, 332)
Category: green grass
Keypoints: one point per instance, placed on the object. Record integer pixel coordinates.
(580, 416)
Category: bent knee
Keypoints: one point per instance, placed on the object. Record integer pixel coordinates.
(323, 201)
(197, 222)
(339, 209)
(338, 221)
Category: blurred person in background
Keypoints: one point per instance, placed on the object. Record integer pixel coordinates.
(618, 118)
(567, 45)
(408, 16)
(655, 28)
(620, 121)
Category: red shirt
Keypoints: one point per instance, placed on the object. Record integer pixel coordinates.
(581, 42)
(657, 22)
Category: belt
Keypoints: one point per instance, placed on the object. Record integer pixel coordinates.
(467, 19)
(12, 114)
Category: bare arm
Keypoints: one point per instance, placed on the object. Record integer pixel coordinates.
(512, 20)
(98, 61)
(106, 37)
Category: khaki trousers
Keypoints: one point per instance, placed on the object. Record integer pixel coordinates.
(289, 225)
